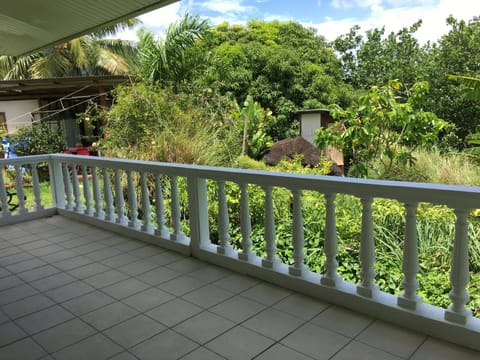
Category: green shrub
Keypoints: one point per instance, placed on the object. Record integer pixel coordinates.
(37, 139)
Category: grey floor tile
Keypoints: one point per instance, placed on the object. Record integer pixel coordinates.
(434, 349)
(7, 253)
(10, 332)
(47, 250)
(239, 343)
(168, 343)
(3, 317)
(88, 270)
(181, 285)
(158, 275)
(43, 319)
(133, 331)
(4, 272)
(96, 347)
(109, 315)
(301, 306)
(119, 260)
(52, 281)
(106, 278)
(174, 312)
(123, 356)
(207, 296)
(343, 321)
(165, 258)
(38, 273)
(186, 265)
(210, 273)
(202, 354)
(16, 293)
(27, 306)
(273, 323)
(280, 352)
(147, 251)
(266, 293)
(35, 244)
(69, 291)
(26, 265)
(236, 283)
(64, 335)
(125, 288)
(10, 281)
(59, 256)
(87, 247)
(391, 339)
(137, 267)
(15, 258)
(88, 302)
(130, 245)
(148, 299)
(238, 308)
(103, 254)
(359, 351)
(204, 327)
(315, 341)
(25, 349)
(73, 263)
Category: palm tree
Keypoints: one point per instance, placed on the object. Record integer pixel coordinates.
(92, 54)
(177, 58)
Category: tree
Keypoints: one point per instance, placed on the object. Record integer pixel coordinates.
(91, 54)
(176, 59)
(381, 132)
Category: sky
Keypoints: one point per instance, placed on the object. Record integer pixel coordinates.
(331, 18)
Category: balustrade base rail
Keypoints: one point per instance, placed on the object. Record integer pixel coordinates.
(142, 200)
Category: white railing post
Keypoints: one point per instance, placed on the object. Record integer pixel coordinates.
(36, 188)
(298, 240)
(161, 229)
(198, 208)
(147, 214)
(132, 202)
(409, 299)
(76, 190)
(87, 193)
(107, 190)
(331, 277)
(175, 210)
(224, 246)
(459, 274)
(57, 184)
(67, 186)
(270, 233)
(19, 187)
(367, 251)
(97, 197)
(245, 225)
(3, 196)
(119, 200)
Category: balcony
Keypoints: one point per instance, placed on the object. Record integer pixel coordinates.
(115, 265)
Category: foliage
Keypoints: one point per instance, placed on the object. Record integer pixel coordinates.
(381, 129)
(152, 123)
(38, 139)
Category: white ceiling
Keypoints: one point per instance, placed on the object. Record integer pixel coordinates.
(29, 25)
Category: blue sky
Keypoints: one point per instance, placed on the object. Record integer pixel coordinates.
(331, 18)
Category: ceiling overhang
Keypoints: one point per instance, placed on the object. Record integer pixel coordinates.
(30, 25)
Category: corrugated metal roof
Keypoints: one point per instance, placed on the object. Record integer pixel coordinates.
(29, 25)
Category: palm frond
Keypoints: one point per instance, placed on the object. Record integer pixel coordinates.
(112, 29)
(472, 83)
(12, 67)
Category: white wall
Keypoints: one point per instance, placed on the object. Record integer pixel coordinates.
(309, 123)
(17, 113)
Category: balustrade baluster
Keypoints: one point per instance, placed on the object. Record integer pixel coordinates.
(176, 214)
(87, 193)
(161, 229)
(224, 246)
(298, 237)
(20, 190)
(36, 189)
(76, 190)
(367, 251)
(107, 190)
(245, 225)
(97, 197)
(409, 299)
(132, 202)
(119, 200)
(3, 197)
(459, 274)
(147, 215)
(270, 233)
(331, 277)
(68, 186)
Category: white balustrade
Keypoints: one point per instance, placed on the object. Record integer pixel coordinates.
(298, 240)
(107, 190)
(175, 209)
(331, 277)
(132, 202)
(245, 225)
(147, 225)
(224, 246)
(270, 233)
(87, 192)
(367, 251)
(22, 209)
(119, 199)
(3, 197)
(68, 186)
(97, 195)
(161, 229)
(36, 189)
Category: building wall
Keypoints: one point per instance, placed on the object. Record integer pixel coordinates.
(309, 123)
(17, 113)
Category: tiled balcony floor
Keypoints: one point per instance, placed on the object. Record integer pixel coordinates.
(72, 291)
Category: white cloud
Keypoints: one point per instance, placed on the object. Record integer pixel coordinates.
(433, 14)
(222, 6)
